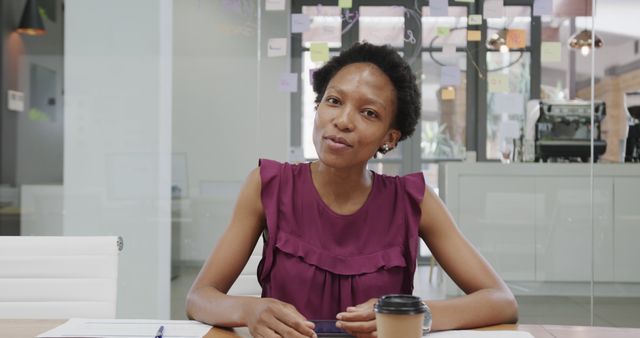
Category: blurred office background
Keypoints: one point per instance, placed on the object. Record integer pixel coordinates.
(142, 119)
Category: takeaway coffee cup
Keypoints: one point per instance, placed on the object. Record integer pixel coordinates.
(401, 316)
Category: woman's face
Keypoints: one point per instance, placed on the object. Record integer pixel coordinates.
(353, 119)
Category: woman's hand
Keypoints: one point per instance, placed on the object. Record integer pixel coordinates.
(271, 318)
(359, 320)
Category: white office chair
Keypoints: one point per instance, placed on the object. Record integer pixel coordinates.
(53, 277)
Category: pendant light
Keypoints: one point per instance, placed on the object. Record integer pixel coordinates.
(582, 41)
(498, 41)
(31, 21)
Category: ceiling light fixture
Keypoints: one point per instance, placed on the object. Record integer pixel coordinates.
(31, 21)
(582, 41)
(498, 41)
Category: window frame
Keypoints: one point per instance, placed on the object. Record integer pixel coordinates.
(476, 93)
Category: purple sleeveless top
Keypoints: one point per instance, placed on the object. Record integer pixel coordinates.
(321, 262)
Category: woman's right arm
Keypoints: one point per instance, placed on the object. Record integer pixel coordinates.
(207, 300)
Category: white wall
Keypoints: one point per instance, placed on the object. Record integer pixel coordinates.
(609, 56)
(118, 139)
(227, 110)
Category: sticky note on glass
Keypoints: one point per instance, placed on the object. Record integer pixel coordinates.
(439, 8)
(300, 23)
(345, 3)
(507, 103)
(550, 52)
(474, 35)
(277, 47)
(449, 50)
(274, 5)
(516, 38)
(542, 7)
(448, 93)
(450, 76)
(443, 31)
(288, 82)
(319, 51)
(498, 83)
(509, 129)
(493, 9)
(234, 6)
(475, 19)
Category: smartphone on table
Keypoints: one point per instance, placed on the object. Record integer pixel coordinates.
(328, 328)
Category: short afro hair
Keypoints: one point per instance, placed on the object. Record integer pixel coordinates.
(408, 104)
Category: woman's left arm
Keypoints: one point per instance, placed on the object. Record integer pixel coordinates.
(488, 300)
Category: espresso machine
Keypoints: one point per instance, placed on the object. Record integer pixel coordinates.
(563, 131)
(632, 104)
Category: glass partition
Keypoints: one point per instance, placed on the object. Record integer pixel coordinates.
(527, 206)
(530, 135)
(32, 125)
(85, 134)
(616, 219)
(444, 54)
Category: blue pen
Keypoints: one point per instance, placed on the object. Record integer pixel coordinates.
(160, 330)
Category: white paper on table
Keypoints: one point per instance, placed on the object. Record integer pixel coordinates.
(300, 22)
(450, 76)
(508, 103)
(277, 47)
(478, 334)
(125, 328)
(493, 9)
(542, 7)
(438, 8)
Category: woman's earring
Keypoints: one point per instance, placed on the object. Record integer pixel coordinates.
(385, 148)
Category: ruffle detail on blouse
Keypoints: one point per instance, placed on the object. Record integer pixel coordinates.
(342, 265)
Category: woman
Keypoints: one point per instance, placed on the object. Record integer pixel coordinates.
(338, 236)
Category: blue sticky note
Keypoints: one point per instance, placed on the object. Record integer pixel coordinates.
(450, 76)
(439, 8)
(542, 7)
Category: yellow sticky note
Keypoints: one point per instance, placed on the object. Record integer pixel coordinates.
(516, 38)
(319, 51)
(448, 93)
(345, 3)
(474, 35)
(498, 83)
(443, 31)
(550, 52)
(474, 19)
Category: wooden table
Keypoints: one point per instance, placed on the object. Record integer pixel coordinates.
(29, 328)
